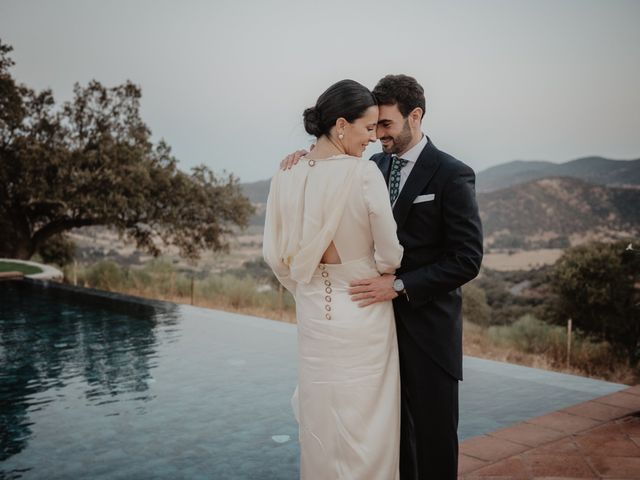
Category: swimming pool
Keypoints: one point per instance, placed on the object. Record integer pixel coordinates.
(102, 386)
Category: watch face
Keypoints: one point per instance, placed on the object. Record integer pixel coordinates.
(398, 285)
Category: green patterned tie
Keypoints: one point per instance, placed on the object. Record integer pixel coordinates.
(394, 180)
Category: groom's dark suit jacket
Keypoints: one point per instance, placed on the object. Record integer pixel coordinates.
(442, 240)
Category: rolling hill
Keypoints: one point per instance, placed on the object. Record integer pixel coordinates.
(256, 192)
(550, 211)
(591, 169)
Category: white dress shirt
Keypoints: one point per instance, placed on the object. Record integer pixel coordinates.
(411, 156)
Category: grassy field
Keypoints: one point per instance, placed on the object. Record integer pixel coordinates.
(535, 344)
(18, 267)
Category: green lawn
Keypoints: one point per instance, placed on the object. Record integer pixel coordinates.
(18, 267)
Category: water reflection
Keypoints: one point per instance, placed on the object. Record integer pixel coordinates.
(52, 338)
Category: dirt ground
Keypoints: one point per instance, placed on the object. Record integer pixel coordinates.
(522, 260)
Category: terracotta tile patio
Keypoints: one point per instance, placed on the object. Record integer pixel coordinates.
(598, 439)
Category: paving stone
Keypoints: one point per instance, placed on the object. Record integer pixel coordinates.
(616, 467)
(557, 465)
(469, 464)
(565, 422)
(609, 428)
(566, 478)
(528, 434)
(614, 445)
(476, 476)
(633, 390)
(597, 411)
(490, 448)
(630, 425)
(565, 446)
(510, 468)
(621, 399)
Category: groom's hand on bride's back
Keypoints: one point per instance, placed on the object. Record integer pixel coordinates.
(293, 158)
(373, 290)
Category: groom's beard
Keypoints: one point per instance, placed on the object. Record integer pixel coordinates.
(400, 142)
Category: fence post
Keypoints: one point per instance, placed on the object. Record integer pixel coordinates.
(569, 343)
(192, 288)
(75, 273)
(281, 301)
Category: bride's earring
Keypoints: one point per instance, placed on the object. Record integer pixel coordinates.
(341, 136)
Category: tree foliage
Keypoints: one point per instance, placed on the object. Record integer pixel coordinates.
(92, 162)
(475, 308)
(598, 287)
(58, 250)
(505, 306)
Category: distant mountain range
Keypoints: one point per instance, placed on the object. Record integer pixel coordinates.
(256, 192)
(592, 169)
(554, 212)
(597, 170)
(529, 204)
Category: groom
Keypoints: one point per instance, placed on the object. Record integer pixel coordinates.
(434, 205)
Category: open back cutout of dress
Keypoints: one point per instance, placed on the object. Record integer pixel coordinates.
(331, 255)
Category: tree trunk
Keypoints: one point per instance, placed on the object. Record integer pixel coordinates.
(15, 239)
(18, 248)
(22, 246)
(23, 251)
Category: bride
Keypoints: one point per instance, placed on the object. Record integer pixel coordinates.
(328, 222)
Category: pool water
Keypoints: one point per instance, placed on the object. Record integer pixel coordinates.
(102, 386)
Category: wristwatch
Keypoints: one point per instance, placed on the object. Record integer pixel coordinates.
(398, 286)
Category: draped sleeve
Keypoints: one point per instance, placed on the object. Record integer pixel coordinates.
(387, 248)
(301, 222)
(273, 238)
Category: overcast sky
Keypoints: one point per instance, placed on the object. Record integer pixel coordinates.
(225, 82)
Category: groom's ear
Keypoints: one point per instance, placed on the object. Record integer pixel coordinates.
(416, 115)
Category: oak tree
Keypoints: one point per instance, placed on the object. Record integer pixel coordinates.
(91, 161)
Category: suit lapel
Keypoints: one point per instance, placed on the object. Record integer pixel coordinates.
(422, 172)
(384, 164)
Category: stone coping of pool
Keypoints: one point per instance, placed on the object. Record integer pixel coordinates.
(596, 439)
(11, 275)
(48, 272)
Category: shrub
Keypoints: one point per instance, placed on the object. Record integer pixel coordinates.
(528, 334)
(474, 305)
(58, 250)
(235, 291)
(506, 307)
(531, 335)
(597, 287)
(509, 241)
(106, 275)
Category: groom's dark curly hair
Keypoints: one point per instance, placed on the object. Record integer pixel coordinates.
(401, 90)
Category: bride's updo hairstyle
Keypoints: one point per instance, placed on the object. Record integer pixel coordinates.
(347, 99)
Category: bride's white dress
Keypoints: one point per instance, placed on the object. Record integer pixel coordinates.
(348, 398)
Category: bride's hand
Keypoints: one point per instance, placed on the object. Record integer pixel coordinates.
(293, 158)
